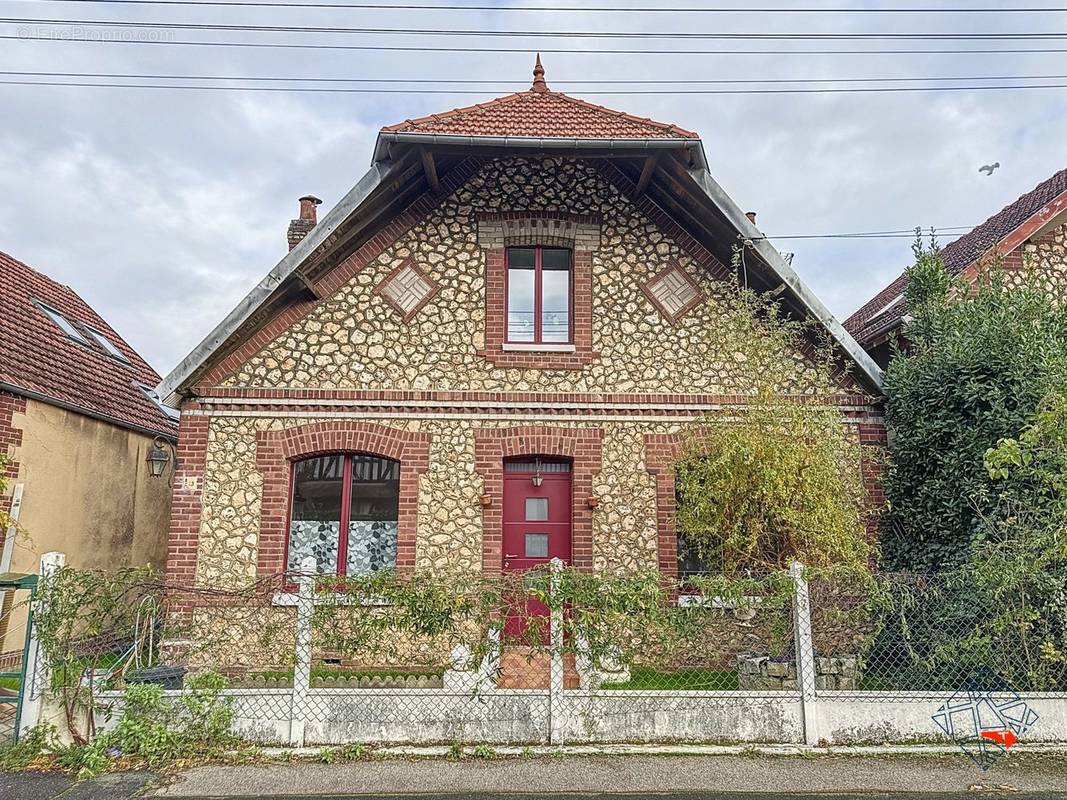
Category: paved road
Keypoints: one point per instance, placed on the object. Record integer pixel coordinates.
(736, 777)
(132, 786)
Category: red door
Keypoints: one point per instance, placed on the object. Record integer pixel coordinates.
(537, 522)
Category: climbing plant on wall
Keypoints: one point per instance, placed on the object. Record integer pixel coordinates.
(779, 479)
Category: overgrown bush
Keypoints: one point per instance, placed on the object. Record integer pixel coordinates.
(156, 731)
(780, 479)
(980, 365)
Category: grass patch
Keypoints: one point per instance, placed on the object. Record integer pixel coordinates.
(644, 679)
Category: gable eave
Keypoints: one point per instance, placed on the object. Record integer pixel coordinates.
(869, 371)
(179, 379)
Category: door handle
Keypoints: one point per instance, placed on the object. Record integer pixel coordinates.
(510, 555)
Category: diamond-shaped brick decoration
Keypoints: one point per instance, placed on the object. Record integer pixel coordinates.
(407, 289)
(673, 292)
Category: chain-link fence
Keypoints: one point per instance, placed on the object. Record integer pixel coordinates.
(549, 656)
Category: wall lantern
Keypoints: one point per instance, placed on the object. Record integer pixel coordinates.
(536, 480)
(158, 456)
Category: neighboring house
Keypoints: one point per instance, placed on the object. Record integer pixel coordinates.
(1030, 233)
(77, 419)
(486, 355)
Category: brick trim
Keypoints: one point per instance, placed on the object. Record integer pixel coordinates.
(187, 497)
(874, 444)
(581, 445)
(661, 451)
(10, 439)
(277, 450)
(496, 317)
(696, 300)
(337, 276)
(407, 316)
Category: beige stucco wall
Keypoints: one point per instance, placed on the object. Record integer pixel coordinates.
(86, 493)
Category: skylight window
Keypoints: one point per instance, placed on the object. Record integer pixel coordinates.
(63, 323)
(107, 345)
(150, 393)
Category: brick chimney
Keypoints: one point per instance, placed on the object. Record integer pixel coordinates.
(301, 227)
(751, 216)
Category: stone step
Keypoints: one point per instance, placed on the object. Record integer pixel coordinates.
(527, 668)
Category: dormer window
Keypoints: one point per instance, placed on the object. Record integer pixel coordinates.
(539, 295)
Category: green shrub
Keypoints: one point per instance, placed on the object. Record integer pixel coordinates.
(156, 731)
(981, 365)
(31, 745)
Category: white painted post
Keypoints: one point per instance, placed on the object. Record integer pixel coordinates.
(555, 640)
(805, 652)
(38, 674)
(305, 607)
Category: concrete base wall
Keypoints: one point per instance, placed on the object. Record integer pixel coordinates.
(415, 716)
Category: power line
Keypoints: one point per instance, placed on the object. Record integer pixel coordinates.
(408, 92)
(502, 86)
(719, 35)
(586, 9)
(897, 234)
(378, 48)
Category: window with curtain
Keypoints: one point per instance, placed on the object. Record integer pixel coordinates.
(539, 295)
(344, 512)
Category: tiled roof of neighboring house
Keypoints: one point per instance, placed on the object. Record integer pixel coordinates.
(42, 359)
(887, 309)
(540, 112)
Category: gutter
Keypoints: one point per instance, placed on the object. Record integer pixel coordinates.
(86, 412)
(537, 143)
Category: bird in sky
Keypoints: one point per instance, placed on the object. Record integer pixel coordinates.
(989, 169)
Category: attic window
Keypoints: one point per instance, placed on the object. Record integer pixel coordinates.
(673, 292)
(407, 289)
(63, 323)
(107, 345)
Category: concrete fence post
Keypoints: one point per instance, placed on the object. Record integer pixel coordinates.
(555, 641)
(805, 652)
(305, 607)
(37, 673)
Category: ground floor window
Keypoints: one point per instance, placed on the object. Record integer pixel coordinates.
(344, 512)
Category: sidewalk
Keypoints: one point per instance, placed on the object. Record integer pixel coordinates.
(1039, 775)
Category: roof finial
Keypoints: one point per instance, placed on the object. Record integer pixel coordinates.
(539, 84)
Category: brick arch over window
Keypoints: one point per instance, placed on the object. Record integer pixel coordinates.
(581, 445)
(277, 450)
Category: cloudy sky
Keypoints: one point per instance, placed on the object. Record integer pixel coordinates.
(163, 207)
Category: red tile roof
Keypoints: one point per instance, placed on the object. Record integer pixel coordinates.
(877, 318)
(540, 112)
(39, 358)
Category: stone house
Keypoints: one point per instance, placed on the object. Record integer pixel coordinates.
(1030, 233)
(487, 354)
(78, 420)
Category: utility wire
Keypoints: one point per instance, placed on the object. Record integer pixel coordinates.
(379, 48)
(750, 35)
(505, 86)
(408, 92)
(584, 9)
